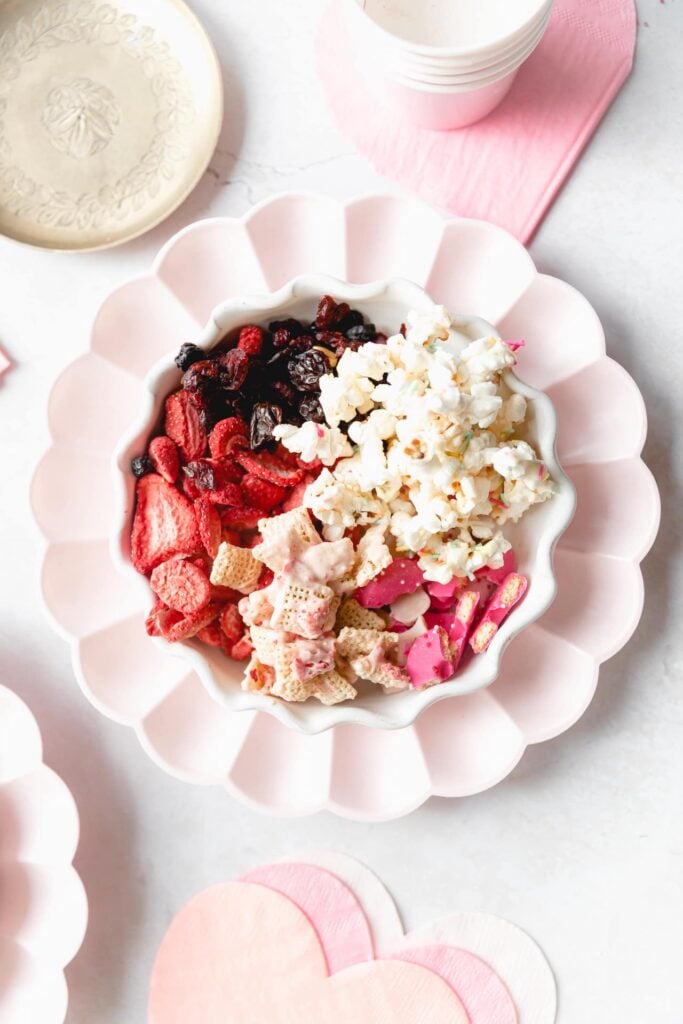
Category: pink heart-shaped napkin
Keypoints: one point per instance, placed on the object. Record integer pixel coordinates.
(244, 953)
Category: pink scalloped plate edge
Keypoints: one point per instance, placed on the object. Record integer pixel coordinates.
(463, 744)
(43, 910)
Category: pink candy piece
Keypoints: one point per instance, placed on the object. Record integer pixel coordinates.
(443, 594)
(5, 362)
(514, 346)
(498, 575)
(403, 576)
(429, 658)
(505, 597)
(458, 624)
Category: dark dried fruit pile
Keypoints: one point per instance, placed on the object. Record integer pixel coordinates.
(270, 376)
(216, 468)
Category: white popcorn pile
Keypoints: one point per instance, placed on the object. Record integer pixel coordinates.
(421, 445)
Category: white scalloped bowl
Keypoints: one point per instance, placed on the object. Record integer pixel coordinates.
(386, 304)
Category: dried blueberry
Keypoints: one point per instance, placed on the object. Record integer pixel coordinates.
(306, 369)
(187, 355)
(201, 472)
(361, 332)
(264, 418)
(311, 409)
(352, 319)
(141, 465)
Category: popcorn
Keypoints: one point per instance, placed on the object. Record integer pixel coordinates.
(235, 567)
(435, 458)
(314, 441)
(341, 398)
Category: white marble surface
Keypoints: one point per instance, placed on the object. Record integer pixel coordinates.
(583, 844)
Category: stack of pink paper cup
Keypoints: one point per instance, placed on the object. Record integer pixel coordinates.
(445, 63)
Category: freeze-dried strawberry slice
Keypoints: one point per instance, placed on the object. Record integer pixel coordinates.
(226, 470)
(164, 455)
(182, 585)
(190, 625)
(231, 623)
(296, 496)
(242, 649)
(223, 432)
(261, 493)
(209, 525)
(160, 619)
(211, 635)
(241, 518)
(269, 467)
(231, 495)
(224, 594)
(183, 425)
(164, 524)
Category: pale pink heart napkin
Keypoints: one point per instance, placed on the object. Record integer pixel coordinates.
(509, 167)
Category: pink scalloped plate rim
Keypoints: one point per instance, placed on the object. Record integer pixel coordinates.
(43, 911)
(464, 744)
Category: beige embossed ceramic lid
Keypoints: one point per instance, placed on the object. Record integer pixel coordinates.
(109, 114)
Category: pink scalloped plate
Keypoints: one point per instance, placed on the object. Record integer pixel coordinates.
(43, 908)
(548, 675)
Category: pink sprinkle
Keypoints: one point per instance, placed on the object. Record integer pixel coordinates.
(5, 362)
(541, 471)
(319, 431)
(515, 345)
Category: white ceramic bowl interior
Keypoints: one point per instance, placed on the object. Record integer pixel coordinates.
(386, 304)
(497, 24)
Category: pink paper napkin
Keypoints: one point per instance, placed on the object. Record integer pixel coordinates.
(509, 167)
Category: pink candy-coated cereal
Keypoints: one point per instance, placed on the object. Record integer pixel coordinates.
(429, 658)
(443, 594)
(458, 624)
(403, 576)
(505, 597)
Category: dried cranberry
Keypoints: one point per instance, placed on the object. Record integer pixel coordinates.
(233, 367)
(141, 465)
(201, 378)
(307, 368)
(361, 332)
(187, 355)
(311, 409)
(201, 473)
(264, 418)
(285, 331)
(330, 313)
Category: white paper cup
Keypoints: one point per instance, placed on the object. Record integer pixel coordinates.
(410, 72)
(444, 109)
(447, 29)
(411, 63)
